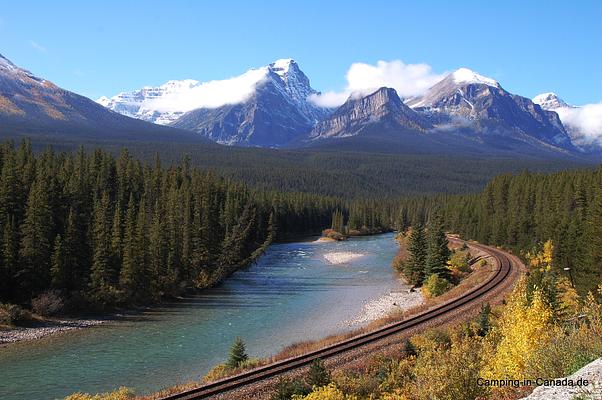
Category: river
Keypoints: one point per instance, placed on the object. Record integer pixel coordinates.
(291, 294)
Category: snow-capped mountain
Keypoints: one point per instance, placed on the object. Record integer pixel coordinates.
(550, 101)
(35, 106)
(358, 112)
(467, 98)
(276, 112)
(218, 101)
(583, 123)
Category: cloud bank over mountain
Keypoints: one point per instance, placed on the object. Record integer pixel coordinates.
(407, 79)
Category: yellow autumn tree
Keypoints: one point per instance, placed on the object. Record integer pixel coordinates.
(449, 372)
(568, 299)
(523, 327)
(395, 395)
(329, 392)
(543, 259)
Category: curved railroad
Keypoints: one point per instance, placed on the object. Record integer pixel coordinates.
(505, 265)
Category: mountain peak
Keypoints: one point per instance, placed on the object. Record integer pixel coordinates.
(361, 110)
(5, 63)
(550, 101)
(282, 66)
(465, 75)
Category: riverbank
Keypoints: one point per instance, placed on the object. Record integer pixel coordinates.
(46, 328)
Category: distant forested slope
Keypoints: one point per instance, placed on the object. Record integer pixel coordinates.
(524, 211)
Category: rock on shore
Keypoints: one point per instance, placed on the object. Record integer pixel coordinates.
(385, 305)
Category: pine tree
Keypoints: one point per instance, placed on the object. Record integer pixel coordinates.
(9, 254)
(337, 222)
(238, 354)
(483, 320)
(317, 375)
(414, 267)
(594, 233)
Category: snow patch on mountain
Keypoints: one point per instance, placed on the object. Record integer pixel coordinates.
(166, 103)
(467, 76)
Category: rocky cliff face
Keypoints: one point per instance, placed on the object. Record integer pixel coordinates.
(383, 105)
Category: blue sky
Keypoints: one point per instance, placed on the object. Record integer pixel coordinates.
(102, 48)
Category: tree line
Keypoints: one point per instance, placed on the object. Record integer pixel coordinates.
(100, 230)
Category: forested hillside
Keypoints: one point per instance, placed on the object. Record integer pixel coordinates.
(100, 231)
(522, 212)
(351, 174)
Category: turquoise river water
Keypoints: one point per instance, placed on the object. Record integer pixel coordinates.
(291, 294)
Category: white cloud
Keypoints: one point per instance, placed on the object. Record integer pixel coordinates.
(210, 94)
(585, 123)
(38, 46)
(407, 79)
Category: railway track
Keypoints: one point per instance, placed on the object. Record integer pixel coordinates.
(505, 265)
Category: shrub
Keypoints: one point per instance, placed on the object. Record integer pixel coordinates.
(317, 375)
(408, 348)
(460, 265)
(435, 286)
(450, 372)
(332, 234)
(218, 372)
(221, 371)
(121, 394)
(11, 314)
(361, 383)
(287, 388)
(330, 392)
(48, 303)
